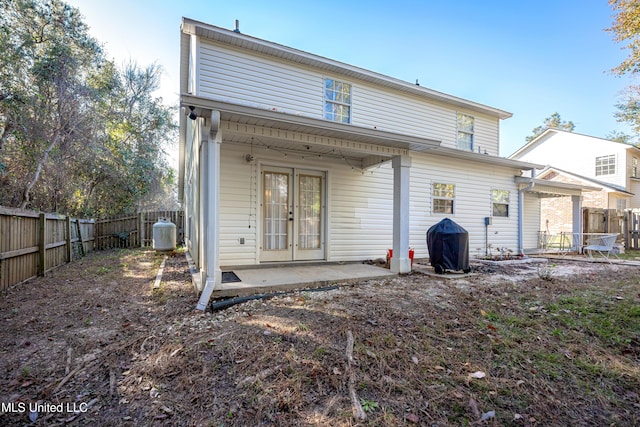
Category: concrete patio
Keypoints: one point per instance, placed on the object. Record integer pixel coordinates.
(276, 278)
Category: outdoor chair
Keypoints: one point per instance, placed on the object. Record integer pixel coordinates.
(602, 245)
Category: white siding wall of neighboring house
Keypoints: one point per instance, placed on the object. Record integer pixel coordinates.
(231, 75)
(577, 153)
(634, 202)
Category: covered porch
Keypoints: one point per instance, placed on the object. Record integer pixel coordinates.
(288, 145)
(552, 219)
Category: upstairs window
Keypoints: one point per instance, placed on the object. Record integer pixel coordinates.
(465, 132)
(606, 165)
(443, 197)
(634, 167)
(337, 101)
(500, 202)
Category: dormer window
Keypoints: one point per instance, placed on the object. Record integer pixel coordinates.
(606, 165)
(465, 132)
(337, 101)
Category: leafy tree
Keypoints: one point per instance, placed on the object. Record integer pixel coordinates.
(77, 134)
(554, 121)
(629, 108)
(46, 51)
(620, 137)
(137, 128)
(626, 29)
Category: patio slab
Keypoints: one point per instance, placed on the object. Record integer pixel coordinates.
(286, 277)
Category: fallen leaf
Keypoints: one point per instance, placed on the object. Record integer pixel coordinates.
(483, 313)
(414, 360)
(517, 417)
(520, 382)
(488, 415)
(478, 374)
(491, 327)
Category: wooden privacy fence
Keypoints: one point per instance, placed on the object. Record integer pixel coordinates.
(33, 243)
(597, 220)
(632, 229)
(135, 230)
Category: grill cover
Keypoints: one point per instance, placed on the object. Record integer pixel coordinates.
(448, 245)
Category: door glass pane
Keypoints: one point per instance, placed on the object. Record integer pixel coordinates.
(309, 225)
(276, 210)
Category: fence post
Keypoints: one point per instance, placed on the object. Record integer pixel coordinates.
(42, 244)
(141, 225)
(69, 245)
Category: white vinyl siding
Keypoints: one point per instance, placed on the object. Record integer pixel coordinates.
(259, 81)
(576, 153)
(235, 76)
(472, 201)
(359, 213)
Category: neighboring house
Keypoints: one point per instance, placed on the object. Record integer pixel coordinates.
(286, 156)
(607, 171)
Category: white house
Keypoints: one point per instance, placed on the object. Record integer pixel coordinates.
(606, 170)
(595, 159)
(286, 156)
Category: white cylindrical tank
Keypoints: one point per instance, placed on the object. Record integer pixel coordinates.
(164, 235)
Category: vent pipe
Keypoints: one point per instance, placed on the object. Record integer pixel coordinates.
(237, 27)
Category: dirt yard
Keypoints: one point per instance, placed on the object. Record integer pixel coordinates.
(94, 344)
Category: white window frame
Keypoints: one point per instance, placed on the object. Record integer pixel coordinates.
(501, 202)
(634, 167)
(436, 195)
(606, 165)
(465, 134)
(335, 97)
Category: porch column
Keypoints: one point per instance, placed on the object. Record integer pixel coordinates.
(210, 230)
(400, 262)
(576, 203)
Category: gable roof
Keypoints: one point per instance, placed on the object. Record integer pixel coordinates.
(589, 181)
(550, 132)
(239, 40)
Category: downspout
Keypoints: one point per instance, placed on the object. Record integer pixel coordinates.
(211, 231)
(521, 192)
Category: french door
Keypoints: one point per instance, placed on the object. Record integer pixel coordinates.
(293, 214)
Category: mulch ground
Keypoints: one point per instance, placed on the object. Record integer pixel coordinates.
(93, 343)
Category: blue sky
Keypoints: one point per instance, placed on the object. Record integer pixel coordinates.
(531, 58)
